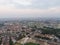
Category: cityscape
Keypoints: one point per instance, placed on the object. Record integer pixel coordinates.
(26, 32)
(29, 22)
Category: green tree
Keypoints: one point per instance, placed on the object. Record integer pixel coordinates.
(0, 41)
(10, 41)
(31, 44)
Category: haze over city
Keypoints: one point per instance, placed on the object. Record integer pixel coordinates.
(29, 22)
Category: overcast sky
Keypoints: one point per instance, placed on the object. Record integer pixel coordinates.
(29, 8)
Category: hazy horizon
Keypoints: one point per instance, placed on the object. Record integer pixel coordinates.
(29, 8)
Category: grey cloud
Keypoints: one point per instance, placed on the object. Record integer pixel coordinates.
(45, 3)
(41, 4)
